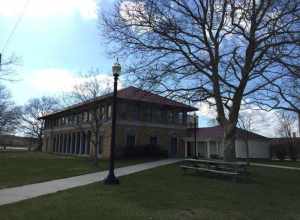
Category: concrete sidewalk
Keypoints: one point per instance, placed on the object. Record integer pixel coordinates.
(274, 166)
(16, 194)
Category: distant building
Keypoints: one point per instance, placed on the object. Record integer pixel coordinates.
(142, 118)
(18, 142)
(285, 143)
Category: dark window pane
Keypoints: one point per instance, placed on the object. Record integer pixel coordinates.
(130, 140)
(153, 140)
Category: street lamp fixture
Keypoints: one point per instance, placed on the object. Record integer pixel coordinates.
(111, 179)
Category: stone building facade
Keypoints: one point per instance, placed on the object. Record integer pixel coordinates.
(142, 118)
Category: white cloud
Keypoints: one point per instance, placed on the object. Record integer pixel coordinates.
(264, 122)
(205, 110)
(48, 8)
(53, 81)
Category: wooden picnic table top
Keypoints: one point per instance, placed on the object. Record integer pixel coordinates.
(237, 163)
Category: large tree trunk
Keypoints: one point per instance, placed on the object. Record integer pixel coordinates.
(229, 143)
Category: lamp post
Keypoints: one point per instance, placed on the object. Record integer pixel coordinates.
(111, 179)
(195, 134)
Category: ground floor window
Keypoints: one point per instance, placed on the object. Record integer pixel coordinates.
(202, 149)
(153, 140)
(130, 141)
(173, 151)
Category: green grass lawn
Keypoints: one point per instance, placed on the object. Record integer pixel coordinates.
(165, 193)
(19, 168)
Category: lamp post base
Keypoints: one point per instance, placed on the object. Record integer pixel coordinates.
(111, 180)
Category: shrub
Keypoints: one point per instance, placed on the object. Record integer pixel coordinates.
(280, 152)
(214, 156)
(144, 151)
(293, 153)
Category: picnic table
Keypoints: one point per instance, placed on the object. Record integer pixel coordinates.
(216, 166)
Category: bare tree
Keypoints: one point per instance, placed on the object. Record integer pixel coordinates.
(283, 94)
(8, 67)
(220, 50)
(32, 111)
(88, 92)
(9, 112)
(285, 129)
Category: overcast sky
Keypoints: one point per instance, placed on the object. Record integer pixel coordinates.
(58, 39)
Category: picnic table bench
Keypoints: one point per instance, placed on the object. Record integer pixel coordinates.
(216, 166)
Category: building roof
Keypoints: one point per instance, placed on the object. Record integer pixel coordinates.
(217, 132)
(285, 141)
(134, 94)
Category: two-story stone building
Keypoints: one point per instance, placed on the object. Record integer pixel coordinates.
(142, 118)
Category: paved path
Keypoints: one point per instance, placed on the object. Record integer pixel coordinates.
(16, 194)
(275, 166)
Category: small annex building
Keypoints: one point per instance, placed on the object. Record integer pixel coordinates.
(210, 143)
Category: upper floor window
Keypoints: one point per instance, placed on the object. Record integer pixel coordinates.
(148, 113)
(164, 115)
(170, 116)
(85, 116)
(102, 112)
(88, 115)
(180, 117)
(176, 117)
(156, 115)
(109, 111)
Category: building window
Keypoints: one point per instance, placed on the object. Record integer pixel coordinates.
(88, 116)
(156, 116)
(109, 111)
(102, 112)
(176, 117)
(153, 140)
(130, 140)
(180, 117)
(85, 116)
(170, 116)
(148, 113)
(164, 115)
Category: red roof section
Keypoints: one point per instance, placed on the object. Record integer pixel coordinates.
(217, 132)
(134, 94)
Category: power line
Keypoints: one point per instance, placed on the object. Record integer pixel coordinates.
(16, 25)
